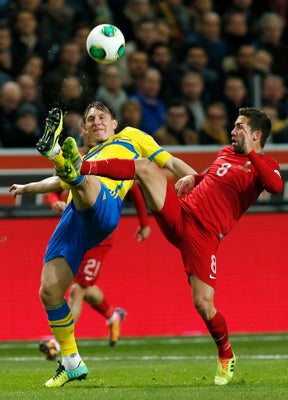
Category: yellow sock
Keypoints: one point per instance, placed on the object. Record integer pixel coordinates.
(62, 325)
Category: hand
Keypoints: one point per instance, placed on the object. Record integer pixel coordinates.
(185, 185)
(58, 207)
(17, 189)
(249, 142)
(142, 233)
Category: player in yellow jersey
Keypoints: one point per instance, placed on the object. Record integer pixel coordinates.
(91, 215)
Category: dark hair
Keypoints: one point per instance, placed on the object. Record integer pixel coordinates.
(99, 106)
(258, 121)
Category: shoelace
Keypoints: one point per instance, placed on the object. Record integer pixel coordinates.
(59, 370)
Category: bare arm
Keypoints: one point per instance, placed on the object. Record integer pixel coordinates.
(179, 168)
(51, 184)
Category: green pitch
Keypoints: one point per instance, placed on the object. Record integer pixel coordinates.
(169, 368)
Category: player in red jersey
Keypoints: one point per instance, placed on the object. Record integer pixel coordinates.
(203, 210)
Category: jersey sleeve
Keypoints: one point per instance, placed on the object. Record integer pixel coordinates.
(268, 171)
(139, 204)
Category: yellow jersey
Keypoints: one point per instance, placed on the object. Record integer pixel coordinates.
(130, 143)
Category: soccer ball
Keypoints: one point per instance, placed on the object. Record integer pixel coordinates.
(105, 43)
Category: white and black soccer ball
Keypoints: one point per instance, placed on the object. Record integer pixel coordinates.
(105, 43)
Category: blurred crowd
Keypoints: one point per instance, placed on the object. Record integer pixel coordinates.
(189, 65)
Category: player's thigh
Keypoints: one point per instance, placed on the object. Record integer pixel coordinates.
(153, 183)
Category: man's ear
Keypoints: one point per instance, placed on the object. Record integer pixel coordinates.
(115, 123)
(256, 136)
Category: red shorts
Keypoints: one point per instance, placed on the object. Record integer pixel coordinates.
(197, 245)
(88, 272)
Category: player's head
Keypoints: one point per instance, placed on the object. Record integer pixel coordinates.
(99, 124)
(98, 105)
(257, 121)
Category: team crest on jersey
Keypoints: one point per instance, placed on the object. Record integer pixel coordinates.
(245, 167)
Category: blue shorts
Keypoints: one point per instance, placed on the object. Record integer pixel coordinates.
(79, 231)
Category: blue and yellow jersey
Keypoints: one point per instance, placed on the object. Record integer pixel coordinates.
(130, 143)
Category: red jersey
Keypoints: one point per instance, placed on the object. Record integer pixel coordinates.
(231, 185)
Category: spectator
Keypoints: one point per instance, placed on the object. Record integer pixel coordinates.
(71, 97)
(209, 37)
(10, 98)
(26, 40)
(236, 31)
(110, 90)
(161, 57)
(264, 61)
(34, 65)
(137, 64)
(270, 34)
(153, 109)
(196, 60)
(192, 88)
(131, 114)
(177, 16)
(32, 96)
(56, 23)
(67, 63)
(234, 97)
(176, 130)
(132, 13)
(245, 67)
(214, 129)
(27, 130)
(72, 126)
(274, 93)
(6, 61)
(197, 10)
(279, 133)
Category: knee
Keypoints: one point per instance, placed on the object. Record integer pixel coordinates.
(144, 168)
(49, 296)
(204, 306)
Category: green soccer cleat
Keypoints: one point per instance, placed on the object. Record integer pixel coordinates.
(63, 375)
(53, 129)
(115, 326)
(72, 163)
(225, 370)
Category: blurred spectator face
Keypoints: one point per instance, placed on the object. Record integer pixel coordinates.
(28, 123)
(5, 39)
(70, 54)
(202, 6)
(243, 4)
(139, 8)
(26, 23)
(112, 78)
(145, 32)
(161, 56)
(273, 89)
(216, 117)
(28, 87)
(81, 36)
(246, 57)
(71, 88)
(272, 29)
(34, 67)
(10, 96)
(151, 83)
(271, 112)
(137, 63)
(235, 90)
(196, 58)
(163, 32)
(211, 25)
(236, 25)
(192, 86)
(177, 117)
(263, 60)
(131, 113)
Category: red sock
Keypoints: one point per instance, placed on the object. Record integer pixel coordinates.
(105, 309)
(218, 330)
(113, 168)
